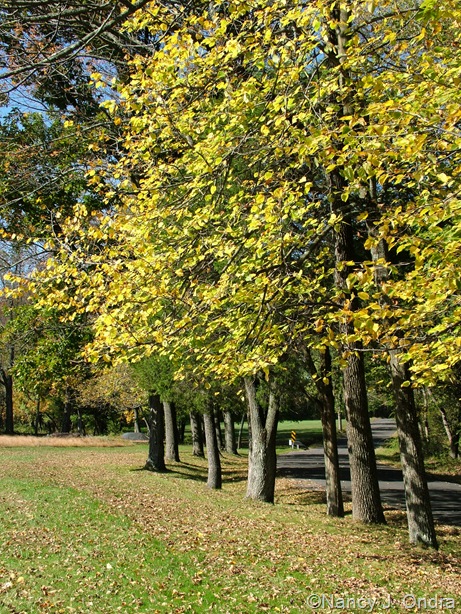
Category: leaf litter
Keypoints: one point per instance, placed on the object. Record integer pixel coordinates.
(275, 556)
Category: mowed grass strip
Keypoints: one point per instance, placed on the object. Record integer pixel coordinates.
(87, 530)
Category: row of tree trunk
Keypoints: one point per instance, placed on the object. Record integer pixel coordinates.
(262, 427)
(205, 429)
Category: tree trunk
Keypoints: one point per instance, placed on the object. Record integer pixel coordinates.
(262, 459)
(242, 424)
(80, 425)
(197, 434)
(156, 458)
(175, 431)
(419, 512)
(334, 496)
(340, 420)
(181, 430)
(426, 435)
(366, 500)
(136, 420)
(171, 433)
(66, 421)
(7, 380)
(214, 462)
(452, 435)
(229, 433)
(217, 426)
(37, 417)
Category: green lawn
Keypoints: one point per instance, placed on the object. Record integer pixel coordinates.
(309, 432)
(85, 530)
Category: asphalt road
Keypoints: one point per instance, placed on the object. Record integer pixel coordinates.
(307, 467)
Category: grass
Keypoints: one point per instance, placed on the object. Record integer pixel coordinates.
(85, 530)
(309, 432)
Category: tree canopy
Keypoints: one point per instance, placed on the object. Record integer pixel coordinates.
(233, 129)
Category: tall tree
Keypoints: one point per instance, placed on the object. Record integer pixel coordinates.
(323, 379)
(156, 457)
(197, 433)
(419, 512)
(171, 432)
(262, 458)
(229, 432)
(251, 137)
(214, 480)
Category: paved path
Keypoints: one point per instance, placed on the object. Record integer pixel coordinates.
(307, 466)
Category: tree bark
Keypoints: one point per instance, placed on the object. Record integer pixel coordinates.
(156, 458)
(452, 435)
(171, 433)
(197, 434)
(214, 462)
(7, 380)
(335, 506)
(242, 424)
(262, 459)
(37, 417)
(217, 426)
(229, 433)
(366, 500)
(419, 512)
(136, 420)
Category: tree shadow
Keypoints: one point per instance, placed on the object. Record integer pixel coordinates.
(291, 496)
(187, 471)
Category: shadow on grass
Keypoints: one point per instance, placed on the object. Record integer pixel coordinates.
(234, 469)
(233, 476)
(291, 496)
(144, 468)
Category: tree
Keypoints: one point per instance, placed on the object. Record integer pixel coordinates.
(42, 173)
(446, 398)
(171, 432)
(229, 432)
(156, 457)
(14, 259)
(38, 42)
(262, 459)
(197, 433)
(323, 377)
(214, 480)
(252, 137)
(155, 375)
